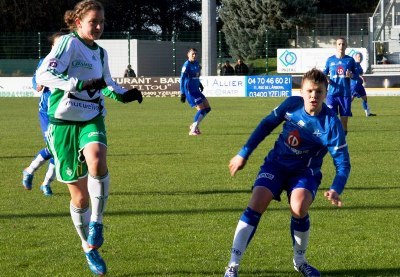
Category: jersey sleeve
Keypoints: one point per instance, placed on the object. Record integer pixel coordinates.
(326, 68)
(354, 69)
(52, 72)
(183, 82)
(338, 149)
(265, 127)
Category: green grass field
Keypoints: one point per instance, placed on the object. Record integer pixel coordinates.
(173, 207)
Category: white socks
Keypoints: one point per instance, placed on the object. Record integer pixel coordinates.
(80, 218)
(300, 247)
(37, 162)
(242, 237)
(98, 191)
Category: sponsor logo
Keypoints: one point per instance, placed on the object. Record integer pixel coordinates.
(87, 106)
(236, 252)
(265, 175)
(91, 134)
(352, 52)
(340, 70)
(288, 58)
(83, 64)
(294, 139)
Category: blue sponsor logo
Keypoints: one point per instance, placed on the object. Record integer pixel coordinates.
(352, 52)
(288, 58)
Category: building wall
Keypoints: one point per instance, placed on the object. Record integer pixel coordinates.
(147, 57)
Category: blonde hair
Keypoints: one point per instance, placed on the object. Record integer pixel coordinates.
(79, 11)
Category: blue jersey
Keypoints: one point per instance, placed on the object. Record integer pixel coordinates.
(336, 68)
(358, 80)
(304, 140)
(190, 78)
(44, 97)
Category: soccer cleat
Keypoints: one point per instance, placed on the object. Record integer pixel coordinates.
(95, 238)
(46, 190)
(372, 114)
(195, 132)
(231, 271)
(307, 270)
(27, 180)
(96, 262)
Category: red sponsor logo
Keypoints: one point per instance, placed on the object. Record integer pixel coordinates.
(294, 139)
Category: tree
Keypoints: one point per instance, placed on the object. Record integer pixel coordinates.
(152, 16)
(28, 16)
(246, 22)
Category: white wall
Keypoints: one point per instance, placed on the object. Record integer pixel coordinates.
(148, 58)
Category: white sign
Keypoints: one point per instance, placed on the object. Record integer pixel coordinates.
(224, 86)
(296, 60)
(17, 87)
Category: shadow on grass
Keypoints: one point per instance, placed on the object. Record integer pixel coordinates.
(191, 211)
(275, 273)
(371, 188)
(172, 193)
(109, 155)
(363, 272)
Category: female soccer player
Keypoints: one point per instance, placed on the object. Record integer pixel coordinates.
(340, 68)
(357, 88)
(44, 154)
(192, 90)
(310, 130)
(78, 74)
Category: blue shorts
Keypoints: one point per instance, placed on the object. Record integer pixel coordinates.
(44, 123)
(358, 91)
(341, 105)
(195, 98)
(277, 178)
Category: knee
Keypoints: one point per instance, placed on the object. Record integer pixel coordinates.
(80, 201)
(97, 167)
(299, 212)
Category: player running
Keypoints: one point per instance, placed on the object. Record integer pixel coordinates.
(357, 88)
(44, 154)
(310, 130)
(192, 90)
(78, 74)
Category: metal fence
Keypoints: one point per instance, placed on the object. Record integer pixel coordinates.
(32, 46)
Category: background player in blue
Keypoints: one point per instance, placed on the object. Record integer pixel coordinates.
(310, 130)
(357, 88)
(44, 154)
(340, 68)
(191, 90)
